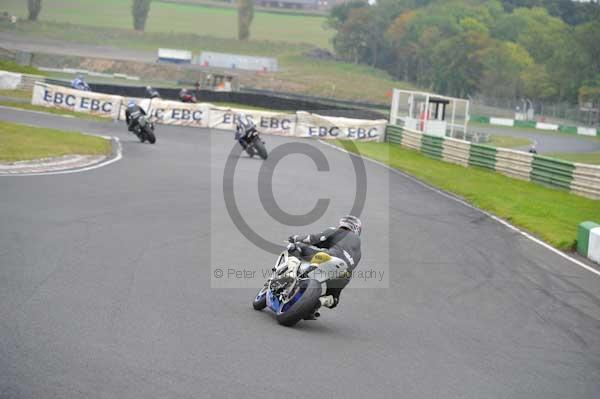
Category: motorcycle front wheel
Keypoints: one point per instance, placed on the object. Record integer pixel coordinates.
(150, 135)
(250, 150)
(260, 300)
(260, 148)
(306, 305)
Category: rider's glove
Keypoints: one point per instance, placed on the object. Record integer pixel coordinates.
(293, 238)
(291, 247)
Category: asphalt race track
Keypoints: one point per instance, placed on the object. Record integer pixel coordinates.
(105, 286)
(545, 141)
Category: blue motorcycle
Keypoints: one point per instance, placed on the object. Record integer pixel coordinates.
(294, 289)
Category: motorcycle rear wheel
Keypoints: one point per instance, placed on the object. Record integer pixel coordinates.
(304, 307)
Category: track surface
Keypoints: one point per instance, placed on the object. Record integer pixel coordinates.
(105, 288)
(546, 141)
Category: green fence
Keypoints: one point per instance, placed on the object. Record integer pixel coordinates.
(393, 134)
(432, 146)
(552, 172)
(483, 156)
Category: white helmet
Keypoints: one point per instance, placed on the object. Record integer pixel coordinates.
(352, 223)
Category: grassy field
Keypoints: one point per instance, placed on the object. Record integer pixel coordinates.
(298, 73)
(551, 214)
(181, 18)
(21, 142)
(508, 141)
(581, 157)
(10, 66)
(16, 94)
(55, 111)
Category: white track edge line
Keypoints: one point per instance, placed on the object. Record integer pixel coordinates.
(84, 169)
(494, 217)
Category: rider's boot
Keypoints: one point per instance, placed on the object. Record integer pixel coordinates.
(328, 301)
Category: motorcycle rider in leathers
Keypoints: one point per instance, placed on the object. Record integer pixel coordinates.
(342, 242)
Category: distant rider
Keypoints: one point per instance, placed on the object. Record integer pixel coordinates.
(187, 97)
(79, 83)
(342, 242)
(132, 114)
(152, 92)
(243, 126)
(533, 149)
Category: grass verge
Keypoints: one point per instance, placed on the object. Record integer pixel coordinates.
(10, 66)
(581, 157)
(55, 111)
(508, 141)
(21, 142)
(553, 215)
(17, 94)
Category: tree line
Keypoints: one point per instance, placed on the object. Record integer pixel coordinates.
(540, 49)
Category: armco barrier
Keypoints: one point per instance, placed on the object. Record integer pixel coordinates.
(578, 178)
(411, 139)
(588, 240)
(585, 180)
(394, 134)
(456, 151)
(483, 156)
(552, 172)
(432, 146)
(514, 163)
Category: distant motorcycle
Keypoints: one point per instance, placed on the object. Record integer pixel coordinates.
(249, 138)
(79, 83)
(187, 97)
(144, 129)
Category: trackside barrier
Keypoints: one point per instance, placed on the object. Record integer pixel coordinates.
(513, 163)
(205, 115)
(588, 240)
(585, 180)
(552, 172)
(14, 81)
(581, 179)
(483, 156)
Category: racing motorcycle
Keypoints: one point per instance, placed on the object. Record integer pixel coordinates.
(293, 292)
(252, 142)
(144, 129)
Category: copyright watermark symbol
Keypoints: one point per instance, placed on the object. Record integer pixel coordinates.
(267, 198)
(303, 187)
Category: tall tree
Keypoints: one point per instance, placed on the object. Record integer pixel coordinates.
(34, 7)
(140, 10)
(245, 16)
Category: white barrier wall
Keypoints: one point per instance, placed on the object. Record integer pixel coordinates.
(10, 80)
(300, 124)
(266, 122)
(327, 127)
(76, 100)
